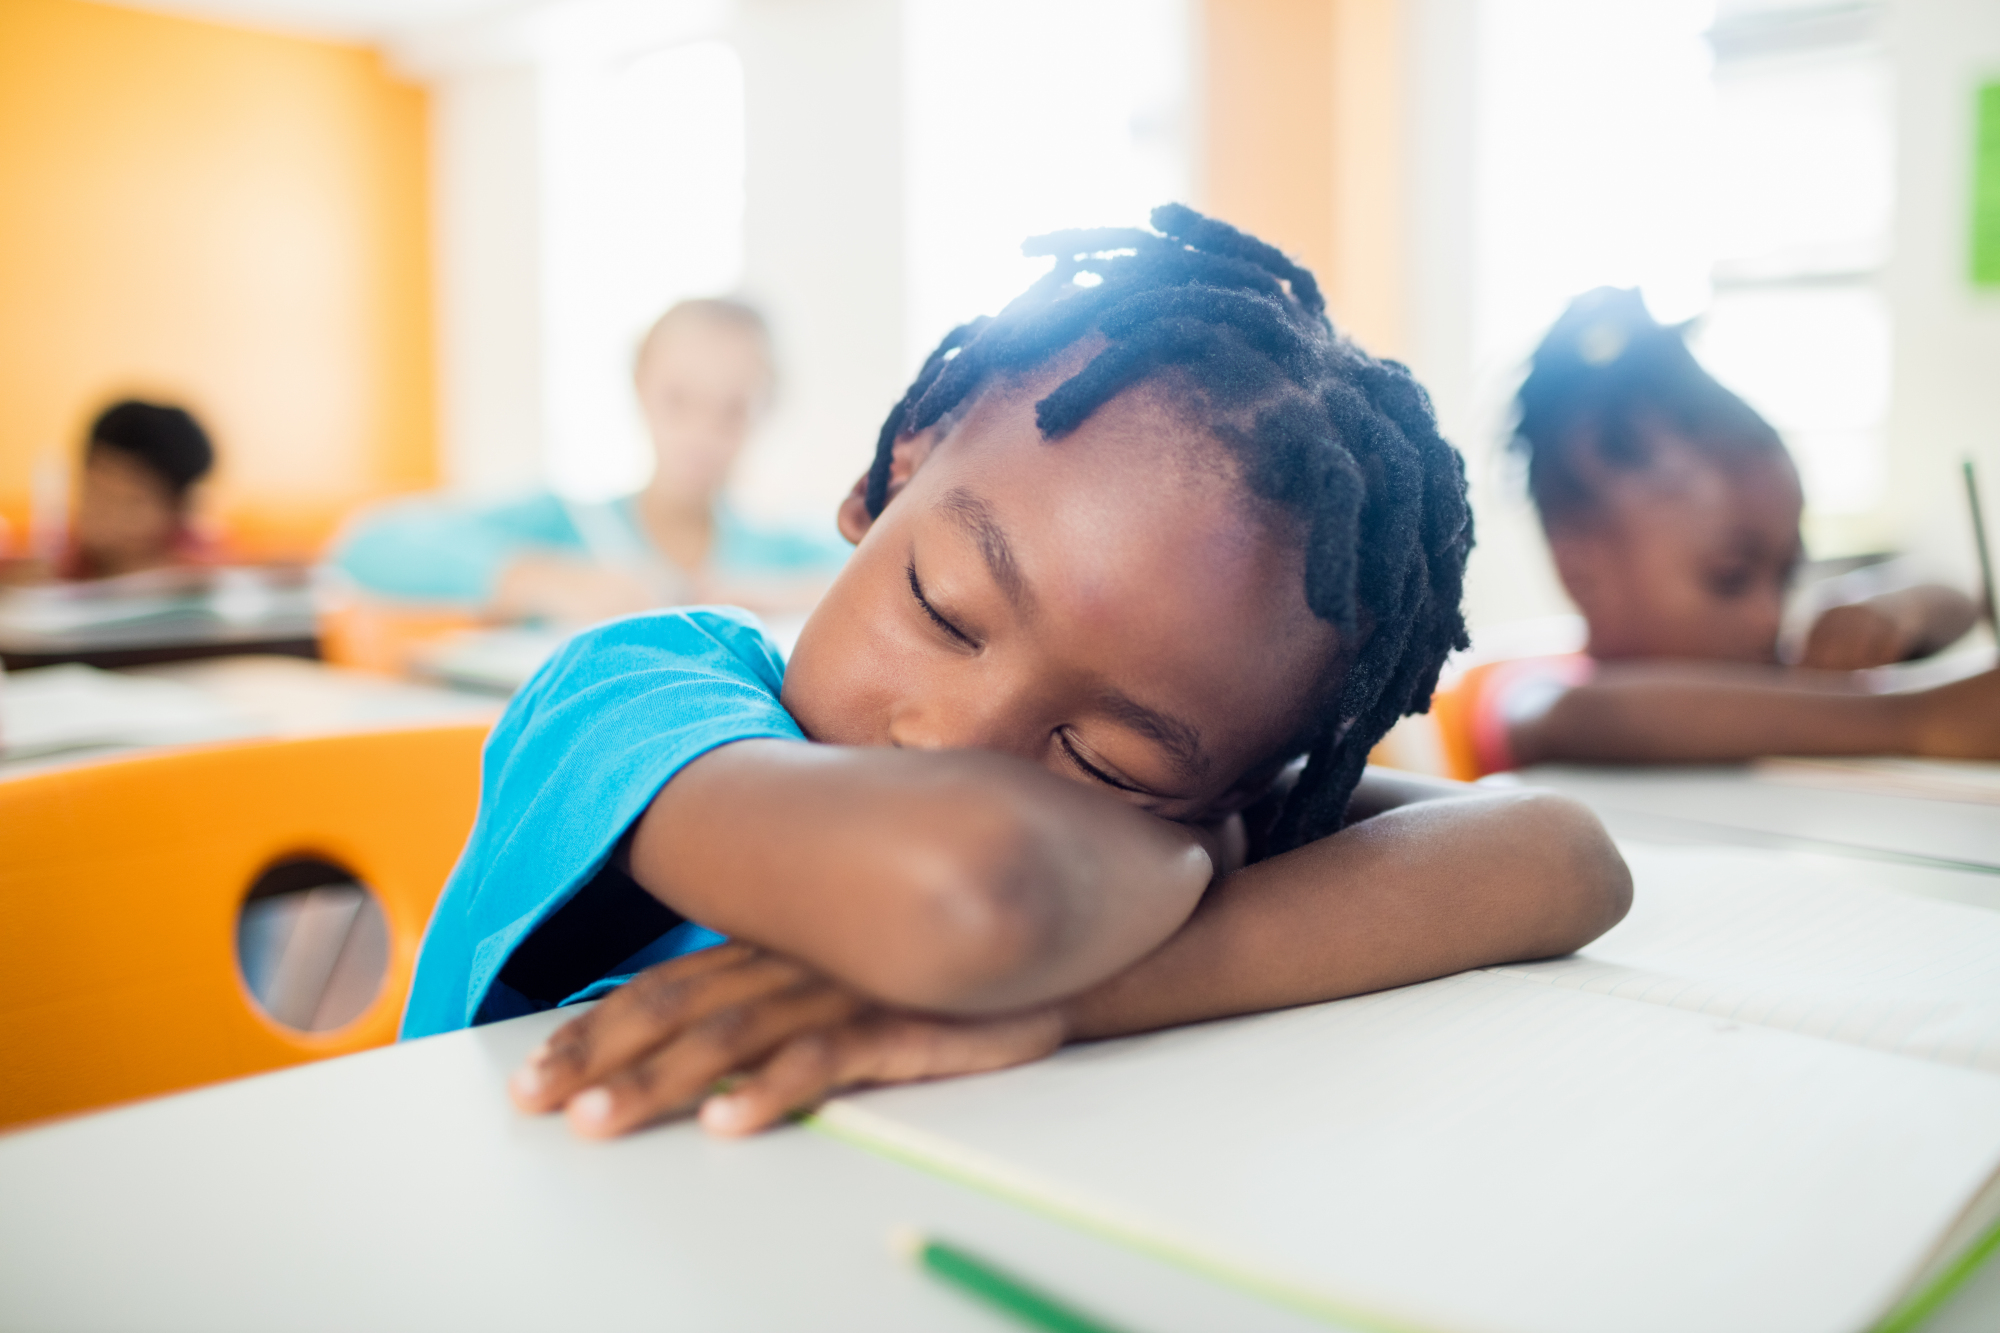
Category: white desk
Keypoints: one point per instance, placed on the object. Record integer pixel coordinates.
(74, 714)
(397, 1189)
(1731, 804)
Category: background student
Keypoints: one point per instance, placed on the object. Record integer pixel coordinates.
(704, 379)
(1125, 553)
(135, 494)
(1672, 512)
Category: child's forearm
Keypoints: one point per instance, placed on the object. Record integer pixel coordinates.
(1697, 713)
(954, 882)
(1418, 892)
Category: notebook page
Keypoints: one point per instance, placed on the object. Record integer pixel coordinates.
(1478, 1153)
(1801, 944)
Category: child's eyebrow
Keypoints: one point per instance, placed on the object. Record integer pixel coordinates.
(972, 513)
(1181, 740)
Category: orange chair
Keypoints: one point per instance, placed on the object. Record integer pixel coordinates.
(121, 884)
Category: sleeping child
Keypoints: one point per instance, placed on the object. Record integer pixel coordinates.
(1672, 512)
(1074, 746)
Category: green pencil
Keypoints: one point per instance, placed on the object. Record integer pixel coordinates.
(997, 1287)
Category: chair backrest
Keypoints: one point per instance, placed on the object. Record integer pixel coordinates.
(121, 884)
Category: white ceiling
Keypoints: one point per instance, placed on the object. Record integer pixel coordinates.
(341, 20)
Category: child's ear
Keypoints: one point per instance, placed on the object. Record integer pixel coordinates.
(905, 457)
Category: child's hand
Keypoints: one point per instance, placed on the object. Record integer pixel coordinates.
(788, 1036)
(1860, 635)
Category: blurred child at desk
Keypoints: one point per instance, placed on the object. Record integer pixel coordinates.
(134, 506)
(704, 378)
(1672, 511)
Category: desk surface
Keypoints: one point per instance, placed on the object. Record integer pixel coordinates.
(397, 1189)
(75, 714)
(1733, 804)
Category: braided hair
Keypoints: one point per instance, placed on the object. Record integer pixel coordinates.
(1604, 379)
(1344, 443)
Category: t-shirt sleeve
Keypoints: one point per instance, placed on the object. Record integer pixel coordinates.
(577, 757)
(437, 550)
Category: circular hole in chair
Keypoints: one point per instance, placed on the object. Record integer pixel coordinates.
(312, 944)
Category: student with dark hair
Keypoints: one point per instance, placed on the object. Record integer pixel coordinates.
(1672, 512)
(1074, 746)
(133, 505)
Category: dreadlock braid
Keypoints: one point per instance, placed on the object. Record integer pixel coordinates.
(1344, 443)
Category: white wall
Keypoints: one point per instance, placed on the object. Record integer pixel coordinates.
(1947, 349)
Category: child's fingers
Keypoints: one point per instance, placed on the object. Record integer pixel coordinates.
(882, 1048)
(653, 1008)
(803, 1072)
(672, 1077)
(914, 1048)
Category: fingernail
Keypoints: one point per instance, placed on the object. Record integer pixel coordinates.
(527, 1081)
(726, 1114)
(592, 1106)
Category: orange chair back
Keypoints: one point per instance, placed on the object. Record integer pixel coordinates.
(1454, 707)
(122, 882)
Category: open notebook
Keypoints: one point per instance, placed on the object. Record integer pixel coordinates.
(1770, 1100)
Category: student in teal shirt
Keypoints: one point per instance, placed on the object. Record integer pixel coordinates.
(1074, 746)
(703, 378)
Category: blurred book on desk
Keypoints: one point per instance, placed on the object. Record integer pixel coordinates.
(75, 713)
(160, 615)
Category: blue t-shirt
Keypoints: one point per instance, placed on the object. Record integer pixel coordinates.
(535, 915)
(433, 548)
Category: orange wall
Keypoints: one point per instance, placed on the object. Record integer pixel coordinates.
(229, 219)
(1303, 144)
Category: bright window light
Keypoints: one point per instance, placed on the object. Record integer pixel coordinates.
(643, 206)
(1028, 116)
(1754, 192)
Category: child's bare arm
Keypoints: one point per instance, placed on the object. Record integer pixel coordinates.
(1418, 891)
(1698, 712)
(954, 882)
(1892, 627)
(1412, 893)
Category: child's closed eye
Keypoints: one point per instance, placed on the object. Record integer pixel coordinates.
(936, 618)
(1092, 770)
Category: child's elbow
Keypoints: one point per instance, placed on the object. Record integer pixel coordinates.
(1592, 882)
(988, 912)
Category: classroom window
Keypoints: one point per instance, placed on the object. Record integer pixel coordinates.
(643, 206)
(1735, 163)
(1804, 203)
(1025, 117)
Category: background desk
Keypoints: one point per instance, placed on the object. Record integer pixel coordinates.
(1732, 804)
(398, 1189)
(75, 714)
